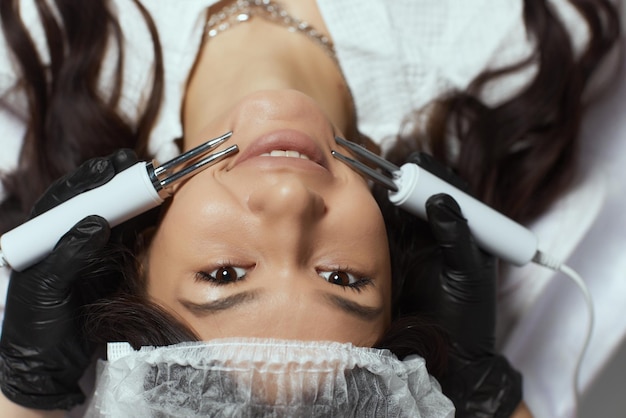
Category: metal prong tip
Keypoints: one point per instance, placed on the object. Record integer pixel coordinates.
(370, 173)
(198, 166)
(191, 155)
(367, 155)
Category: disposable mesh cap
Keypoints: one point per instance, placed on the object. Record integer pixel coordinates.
(264, 378)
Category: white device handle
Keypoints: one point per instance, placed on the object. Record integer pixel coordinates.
(127, 195)
(494, 232)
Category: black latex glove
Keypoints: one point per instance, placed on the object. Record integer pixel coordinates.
(480, 382)
(42, 354)
(467, 301)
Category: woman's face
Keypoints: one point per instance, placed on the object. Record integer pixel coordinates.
(278, 241)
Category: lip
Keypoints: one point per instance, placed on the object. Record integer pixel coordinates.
(285, 139)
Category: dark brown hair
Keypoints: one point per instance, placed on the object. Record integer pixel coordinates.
(517, 156)
(520, 155)
(67, 119)
(129, 314)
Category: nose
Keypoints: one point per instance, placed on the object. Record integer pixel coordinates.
(288, 212)
(287, 201)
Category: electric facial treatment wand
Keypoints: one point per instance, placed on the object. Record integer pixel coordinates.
(131, 192)
(410, 186)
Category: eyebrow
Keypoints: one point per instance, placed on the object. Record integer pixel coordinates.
(365, 313)
(220, 304)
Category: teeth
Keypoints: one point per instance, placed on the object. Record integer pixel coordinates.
(288, 153)
(277, 153)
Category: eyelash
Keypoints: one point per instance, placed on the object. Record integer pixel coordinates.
(361, 281)
(205, 276)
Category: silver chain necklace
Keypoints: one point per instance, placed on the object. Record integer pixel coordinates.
(243, 10)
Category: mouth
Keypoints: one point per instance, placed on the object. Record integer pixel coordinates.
(285, 153)
(286, 144)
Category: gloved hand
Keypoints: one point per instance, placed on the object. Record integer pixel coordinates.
(467, 300)
(42, 354)
(480, 382)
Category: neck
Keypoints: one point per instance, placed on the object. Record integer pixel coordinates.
(260, 55)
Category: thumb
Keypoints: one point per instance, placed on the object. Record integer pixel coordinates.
(451, 231)
(468, 278)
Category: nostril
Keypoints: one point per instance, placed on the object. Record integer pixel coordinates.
(289, 198)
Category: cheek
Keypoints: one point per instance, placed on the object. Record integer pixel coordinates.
(159, 265)
(172, 245)
(358, 213)
(197, 211)
(363, 227)
(202, 217)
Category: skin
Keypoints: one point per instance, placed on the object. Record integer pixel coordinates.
(300, 221)
(14, 410)
(257, 56)
(271, 61)
(297, 221)
(293, 208)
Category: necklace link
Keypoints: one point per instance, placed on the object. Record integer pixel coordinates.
(243, 10)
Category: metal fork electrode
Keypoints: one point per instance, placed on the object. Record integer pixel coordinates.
(384, 179)
(165, 176)
(129, 193)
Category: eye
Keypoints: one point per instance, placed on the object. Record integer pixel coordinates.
(339, 277)
(223, 275)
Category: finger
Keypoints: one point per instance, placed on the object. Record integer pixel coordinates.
(91, 174)
(450, 229)
(123, 158)
(468, 277)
